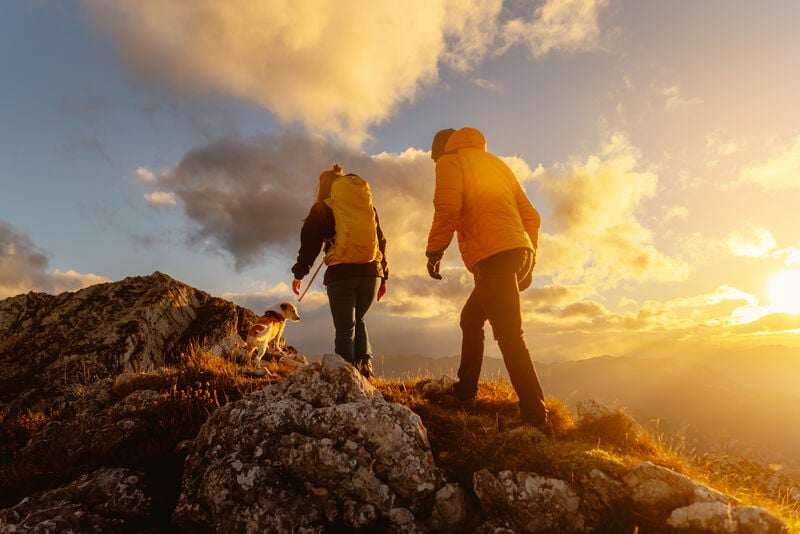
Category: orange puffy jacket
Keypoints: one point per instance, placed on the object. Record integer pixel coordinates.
(478, 197)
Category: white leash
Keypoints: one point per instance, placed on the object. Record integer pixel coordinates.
(310, 282)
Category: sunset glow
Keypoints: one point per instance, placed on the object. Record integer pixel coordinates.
(187, 138)
(783, 290)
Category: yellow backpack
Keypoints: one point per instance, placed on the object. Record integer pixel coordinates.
(356, 239)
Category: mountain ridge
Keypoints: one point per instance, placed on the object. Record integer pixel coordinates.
(122, 385)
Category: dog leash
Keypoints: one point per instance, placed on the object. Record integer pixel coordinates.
(310, 282)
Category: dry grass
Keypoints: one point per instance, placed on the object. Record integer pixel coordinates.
(489, 435)
(486, 435)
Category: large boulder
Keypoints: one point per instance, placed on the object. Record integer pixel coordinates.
(48, 343)
(320, 450)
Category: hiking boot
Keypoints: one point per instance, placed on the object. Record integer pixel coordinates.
(365, 368)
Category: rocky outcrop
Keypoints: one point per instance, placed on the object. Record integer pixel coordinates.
(668, 498)
(49, 343)
(96, 430)
(319, 450)
(106, 500)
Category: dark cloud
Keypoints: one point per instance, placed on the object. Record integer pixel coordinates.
(21, 263)
(23, 267)
(248, 197)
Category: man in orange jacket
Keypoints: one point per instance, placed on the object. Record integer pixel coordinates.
(478, 197)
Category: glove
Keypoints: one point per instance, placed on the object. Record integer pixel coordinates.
(434, 263)
(296, 286)
(381, 290)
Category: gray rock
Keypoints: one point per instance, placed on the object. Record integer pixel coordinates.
(107, 500)
(94, 435)
(658, 490)
(526, 502)
(714, 517)
(319, 449)
(450, 509)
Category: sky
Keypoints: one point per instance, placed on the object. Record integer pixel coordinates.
(660, 142)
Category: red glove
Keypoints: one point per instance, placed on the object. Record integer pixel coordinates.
(381, 290)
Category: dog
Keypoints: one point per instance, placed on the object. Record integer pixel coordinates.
(268, 329)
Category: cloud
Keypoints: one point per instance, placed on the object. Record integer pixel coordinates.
(23, 268)
(771, 323)
(72, 280)
(469, 29)
(261, 299)
(594, 235)
(160, 198)
(759, 243)
(248, 197)
(789, 255)
(333, 67)
(145, 175)
(557, 25)
(723, 294)
(752, 243)
(779, 172)
(337, 67)
(522, 170)
(489, 85)
(719, 145)
(674, 99)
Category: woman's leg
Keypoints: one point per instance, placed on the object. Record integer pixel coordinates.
(342, 300)
(365, 293)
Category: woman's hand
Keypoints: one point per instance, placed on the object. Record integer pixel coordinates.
(381, 290)
(296, 286)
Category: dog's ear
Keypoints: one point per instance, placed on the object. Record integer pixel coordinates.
(285, 306)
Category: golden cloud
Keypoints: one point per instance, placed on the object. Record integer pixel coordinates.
(335, 67)
(779, 172)
(594, 234)
(752, 243)
(565, 25)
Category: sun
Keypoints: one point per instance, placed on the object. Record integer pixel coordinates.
(783, 291)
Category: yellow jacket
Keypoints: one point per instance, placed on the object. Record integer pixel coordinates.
(478, 197)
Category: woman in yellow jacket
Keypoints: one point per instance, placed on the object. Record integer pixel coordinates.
(478, 197)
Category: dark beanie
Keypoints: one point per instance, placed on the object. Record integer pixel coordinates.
(439, 141)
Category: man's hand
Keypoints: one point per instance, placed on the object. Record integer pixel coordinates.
(434, 263)
(296, 286)
(381, 290)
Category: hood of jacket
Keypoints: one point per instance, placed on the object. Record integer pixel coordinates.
(466, 138)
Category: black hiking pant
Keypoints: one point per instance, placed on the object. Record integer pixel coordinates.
(498, 282)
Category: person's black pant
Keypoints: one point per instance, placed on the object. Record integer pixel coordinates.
(350, 300)
(498, 281)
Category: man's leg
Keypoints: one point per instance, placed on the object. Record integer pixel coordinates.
(497, 286)
(473, 318)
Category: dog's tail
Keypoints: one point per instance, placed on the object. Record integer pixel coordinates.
(256, 329)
